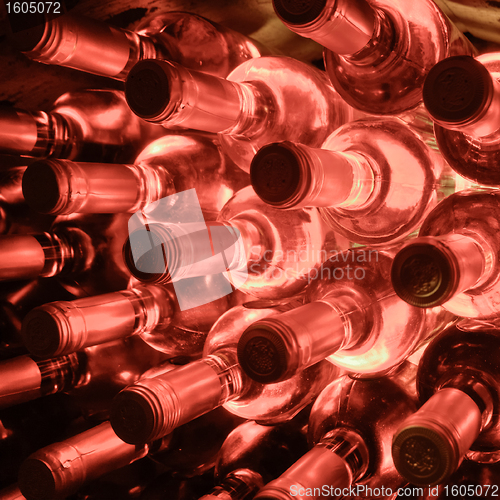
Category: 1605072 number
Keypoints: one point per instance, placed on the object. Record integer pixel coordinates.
(471, 491)
(33, 7)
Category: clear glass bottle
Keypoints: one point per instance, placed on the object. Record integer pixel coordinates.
(60, 469)
(253, 454)
(263, 100)
(357, 179)
(458, 383)
(96, 47)
(352, 317)
(462, 96)
(268, 253)
(351, 427)
(151, 311)
(171, 164)
(84, 252)
(92, 376)
(152, 407)
(377, 53)
(87, 125)
(454, 260)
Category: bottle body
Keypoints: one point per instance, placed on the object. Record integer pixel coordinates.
(470, 144)
(94, 125)
(457, 380)
(352, 317)
(458, 242)
(350, 446)
(257, 104)
(95, 47)
(171, 164)
(379, 48)
(154, 406)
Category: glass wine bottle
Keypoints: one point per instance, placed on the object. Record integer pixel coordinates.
(253, 454)
(263, 100)
(84, 252)
(351, 427)
(462, 96)
(171, 164)
(454, 260)
(352, 317)
(88, 125)
(377, 53)
(92, 376)
(94, 46)
(458, 383)
(263, 252)
(152, 407)
(60, 469)
(151, 311)
(357, 179)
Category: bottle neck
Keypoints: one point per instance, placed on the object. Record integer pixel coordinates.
(197, 100)
(60, 187)
(31, 256)
(85, 456)
(342, 26)
(430, 445)
(312, 177)
(336, 462)
(24, 379)
(430, 270)
(36, 134)
(276, 348)
(72, 326)
(166, 253)
(153, 407)
(93, 46)
(237, 485)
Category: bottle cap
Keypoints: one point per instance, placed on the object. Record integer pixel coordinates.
(275, 174)
(36, 480)
(43, 186)
(46, 332)
(263, 355)
(423, 455)
(132, 415)
(423, 276)
(147, 89)
(298, 11)
(457, 90)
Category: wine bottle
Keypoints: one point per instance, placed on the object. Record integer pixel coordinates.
(458, 383)
(168, 165)
(350, 426)
(257, 104)
(151, 311)
(152, 407)
(377, 53)
(357, 179)
(88, 125)
(92, 376)
(253, 454)
(352, 317)
(84, 252)
(462, 96)
(99, 450)
(453, 261)
(262, 251)
(17, 298)
(94, 46)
